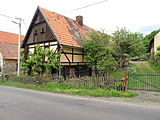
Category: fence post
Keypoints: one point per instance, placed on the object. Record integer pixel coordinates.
(125, 80)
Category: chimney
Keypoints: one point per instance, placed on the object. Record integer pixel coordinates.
(79, 20)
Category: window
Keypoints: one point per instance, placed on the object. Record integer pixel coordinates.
(42, 31)
(35, 32)
(35, 36)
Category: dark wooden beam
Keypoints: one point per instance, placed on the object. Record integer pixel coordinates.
(46, 45)
(56, 50)
(71, 46)
(41, 42)
(83, 55)
(66, 56)
(72, 55)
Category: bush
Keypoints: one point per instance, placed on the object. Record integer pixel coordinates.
(155, 65)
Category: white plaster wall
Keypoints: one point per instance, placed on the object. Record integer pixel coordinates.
(156, 42)
(1, 63)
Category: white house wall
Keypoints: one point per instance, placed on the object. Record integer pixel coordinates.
(1, 63)
(156, 42)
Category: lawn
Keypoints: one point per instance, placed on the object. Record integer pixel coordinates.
(142, 66)
(69, 89)
(144, 77)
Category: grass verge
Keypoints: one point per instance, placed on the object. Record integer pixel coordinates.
(69, 89)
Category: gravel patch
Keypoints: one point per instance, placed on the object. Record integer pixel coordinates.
(147, 98)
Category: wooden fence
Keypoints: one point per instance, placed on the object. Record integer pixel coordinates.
(118, 81)
(115, 81)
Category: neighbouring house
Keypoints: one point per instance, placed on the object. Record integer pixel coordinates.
(61, 34)
(154, 43)
(8, 52)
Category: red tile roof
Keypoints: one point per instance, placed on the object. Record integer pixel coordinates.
(9, 37)
(9, 45)
(8, 50)
(68, 31)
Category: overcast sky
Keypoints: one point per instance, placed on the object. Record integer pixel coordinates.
(137, 15)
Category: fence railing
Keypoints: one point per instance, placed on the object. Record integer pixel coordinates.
(144, 81)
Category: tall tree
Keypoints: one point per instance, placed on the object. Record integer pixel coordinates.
(98, 52)
(127, 44)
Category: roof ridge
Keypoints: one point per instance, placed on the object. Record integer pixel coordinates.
(50, 11)
(66, 30)
(41, 8)
(57, 14)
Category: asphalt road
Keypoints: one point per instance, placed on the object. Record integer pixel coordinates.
(23, 104)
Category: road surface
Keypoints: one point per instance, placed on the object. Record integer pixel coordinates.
(23, 104)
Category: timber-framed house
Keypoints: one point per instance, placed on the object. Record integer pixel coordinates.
(61, 34)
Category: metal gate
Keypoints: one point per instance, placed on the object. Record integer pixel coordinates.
(144, 81)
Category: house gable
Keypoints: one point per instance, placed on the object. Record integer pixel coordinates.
(39, 31)
(68, 31)
(59, 33)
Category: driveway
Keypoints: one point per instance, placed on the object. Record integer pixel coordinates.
(24, 104)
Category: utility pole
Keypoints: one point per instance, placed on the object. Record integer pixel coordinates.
(19, 38)
(19, 43)
(19, 46)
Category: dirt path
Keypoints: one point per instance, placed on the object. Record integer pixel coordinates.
(142, 66)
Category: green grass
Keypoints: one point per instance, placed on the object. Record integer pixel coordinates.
(142, 80)
(157, 94)
(144, 74)
(155, 65)
(142, 66)
(69, 89)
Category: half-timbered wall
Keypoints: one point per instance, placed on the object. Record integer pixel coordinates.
(72, 56)
(50, 45)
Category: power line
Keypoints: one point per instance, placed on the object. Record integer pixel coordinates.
(20, 19)
(24, 24)
(7, 16)
(88, 5)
